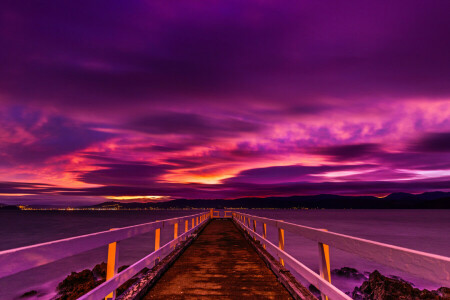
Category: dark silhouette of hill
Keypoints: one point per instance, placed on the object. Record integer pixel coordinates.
(429, 200)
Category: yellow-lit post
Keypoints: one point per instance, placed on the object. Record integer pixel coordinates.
(324, 264)
(211, 213)
(157, 238)
(186, 226)
(264, 232)
(157, 241)
(112, 265)
(196, 221)
(193, 225)
(254, 228)
(281, 242)
(175, 230)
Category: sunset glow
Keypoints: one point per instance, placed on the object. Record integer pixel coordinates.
(150, 101)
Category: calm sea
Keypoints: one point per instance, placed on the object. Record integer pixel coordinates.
(424, 230)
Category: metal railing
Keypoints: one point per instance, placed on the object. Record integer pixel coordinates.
(20, 259)
(425, 265)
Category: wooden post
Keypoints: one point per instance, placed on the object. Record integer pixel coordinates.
(281, 242)
(264, 231)
(175, 230)
(193, 225)
(254, 228)
(157, 238)
(196, 221)
(112, 265)
(186, 226)
(324, 264)
(211, 213)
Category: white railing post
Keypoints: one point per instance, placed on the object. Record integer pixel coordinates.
(324, 264)
(112, 265)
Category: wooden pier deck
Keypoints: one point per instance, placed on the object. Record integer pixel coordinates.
(219, 264)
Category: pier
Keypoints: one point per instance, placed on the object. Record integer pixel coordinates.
(224, 255)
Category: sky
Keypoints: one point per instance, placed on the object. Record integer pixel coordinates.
(222, 99)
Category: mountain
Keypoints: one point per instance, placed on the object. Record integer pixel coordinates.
(9, 207)
(429, 200)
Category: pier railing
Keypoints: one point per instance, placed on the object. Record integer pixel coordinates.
(429, 266)
(21, 259)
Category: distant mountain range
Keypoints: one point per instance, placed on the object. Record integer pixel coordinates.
(429, 200)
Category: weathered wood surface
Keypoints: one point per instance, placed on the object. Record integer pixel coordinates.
(220, 264)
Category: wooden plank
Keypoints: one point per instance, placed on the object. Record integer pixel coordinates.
(219, 264)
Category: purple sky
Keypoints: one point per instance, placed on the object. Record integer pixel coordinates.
(195, 99)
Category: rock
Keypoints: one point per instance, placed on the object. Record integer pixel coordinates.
(79, 283)
(379, 287)
(315, 291)
(348, 273)
(100, 271)
(29, 294)
(400, 279)
(444, 292)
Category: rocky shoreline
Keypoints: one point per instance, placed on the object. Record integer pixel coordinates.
(79, 283)
(379, 287)
(374, 287)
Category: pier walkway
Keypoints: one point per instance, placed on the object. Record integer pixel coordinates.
(232, 269)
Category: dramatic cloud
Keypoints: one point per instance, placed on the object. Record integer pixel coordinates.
(222, 99)
(30, 137)
(433, 142)
(124, 174)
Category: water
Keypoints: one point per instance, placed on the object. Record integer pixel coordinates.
(424, 230)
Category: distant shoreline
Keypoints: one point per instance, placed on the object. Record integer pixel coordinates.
(428, 200)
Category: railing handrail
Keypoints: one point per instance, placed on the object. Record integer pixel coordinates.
(430, 266)
(120, 278)
(15, 260)
(312, 277)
